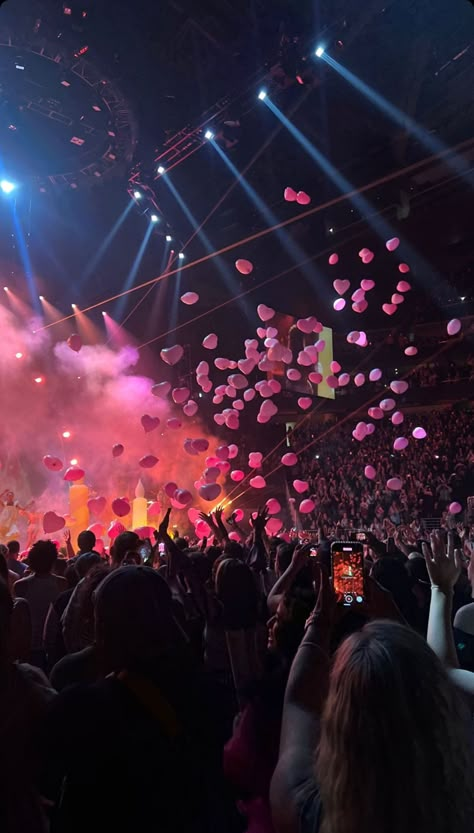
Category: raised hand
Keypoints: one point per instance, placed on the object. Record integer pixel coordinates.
(443, 561)
(163, 527)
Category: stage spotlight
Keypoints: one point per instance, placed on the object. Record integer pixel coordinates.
(209, 134)
(39, 380)
(74, 306)
(154, 218)
(73, 462)
(41, 297)
(7, 186)
(161, 169)
(138, 195)
(18, 355)
(66, 434)
(181, 255)
(319, 52)
(103, 312)
(262, 95)
(168, 238)
(6, 288)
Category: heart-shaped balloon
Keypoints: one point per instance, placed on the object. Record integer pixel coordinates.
(52, 522)
(148, 461)
(174, 423)
(392, 244)
(200, 444)
(120, 507)
(397, 299)
(306, 506)
(289, 195)
(257, 482)
(367, 284)
(183, 497)
(265, 313)
(154, 510)
(403, 286)
(273, 526)
(411, 351)
(341, 286)
(52, 463)
(219, 419)
(96, 505)
(339, 304)
(74, 342)
(161, 390)
(400, 443)
(375, 374)
(304, 402)
(172, 355)
(368, 257)
(149, 423)
(403, 268)
(115, 529)
(333, 259)
(370, 472)
(360, 306)
(246, 365)
(210, 341)
(454, 508)
(189, 449)
(306, 325)
(73, 473)
(189, 298)
(117, 450)
(399, 386)
(210, 491)
(171, 488)
(272, 506)
(97, 529)
(289, 459)
(244, 266)
(397, 418)
(302, 198)
(389, 309)
(180, 395)
(190, 408)
(300, 486)
(237, 475)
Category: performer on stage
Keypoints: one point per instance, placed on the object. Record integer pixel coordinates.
(9, 515)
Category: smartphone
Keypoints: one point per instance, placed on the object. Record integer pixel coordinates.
(144, 551)
(161, 548)
(313, 553)
(347, 561)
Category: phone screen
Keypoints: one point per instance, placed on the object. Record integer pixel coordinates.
(145, 551)
(347, 559)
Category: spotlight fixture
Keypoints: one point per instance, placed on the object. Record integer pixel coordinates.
(6, 288)
(161, 169)
(319, 52)
(7, 186)
(154, 218)
(41, 297)
(262, 95)
(38, 380)
(66, 435)
(331, 229)
(74, 306)
(103, 312)
(138, 195)
(168, 238)
(18, 355)
(209, 134)
(74, 461)
(181, 255)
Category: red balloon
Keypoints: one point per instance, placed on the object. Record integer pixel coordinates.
(117, 450)
(74, 342)
(120, 507)
(52, 463)
(73, 473)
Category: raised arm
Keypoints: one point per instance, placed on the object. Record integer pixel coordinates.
(284, 583)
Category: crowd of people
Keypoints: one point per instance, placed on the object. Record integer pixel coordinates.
(222, 687)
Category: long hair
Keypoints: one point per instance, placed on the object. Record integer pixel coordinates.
(394, 753)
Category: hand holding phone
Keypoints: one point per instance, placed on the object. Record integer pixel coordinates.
(347, 559)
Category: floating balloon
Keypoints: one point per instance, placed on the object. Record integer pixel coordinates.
(397, 299)
(210, 341)
(315, 378)
(375, 413)
(52, 522)
(189, 298)
(394, 484)
(362, 340)
(172, 355)
(304, 402)
(232, 421)
(189, 449)
(264, 312)
(171, 488)
(368, 257)
(238, 515)
(115, 529)
(52, 463)
(411, 351)
(367, 284)
(387, 404)
(453, 327)
(149, 423)
(272, 506)
(97, 529)
(117, 450)
(334, 367)
(246, 365)
(454, 508)
(399, 386)
(74, 342)
(370, 427)
(359, 379)
(202, 529)
(96, 505)
(341, 286)
(148, 461)
(233, 451)
(211, 474)
(352, 337)
(237, 381)
(400, 443)
(255, 459)
(360, 306)
(161, 390)
(306, 506)
(419, 433)
(190, 408)
(249, 394)
(306, 325)
(333, 259)
(237, 475)
(389, 309)
(370, 472)
(339, 304)
(300, 486)
(289, 459)
(344, 379)
(154, 510)
(245, 267)
(302, 198)
(397, 418)
(74, 473)
(257, 482)
(289, 195)
(173, 423)
(332, 381)
(273, 526)
(200, 444)
(293, 375)
(358, 295)
(183, 497)
(403, 268)
(392, 244)
(120, 507)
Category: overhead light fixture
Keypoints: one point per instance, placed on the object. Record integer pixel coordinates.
(168, 238)
(74, 306)
(138, 195)
(6, 288)
(209, 134)
(104, 312)
(7, 186)
(181, 255)
(262, 95)
(161, 169)
(319, 51)
(154, 218)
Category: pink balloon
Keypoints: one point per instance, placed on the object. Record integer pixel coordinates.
(403, 286)
(397, 418)
(387, 404)
(306, 506)
(344, 379)
(183, 497)
(334, 367)
(397, 299)
(352, 337)
(360, 307)
(245, 267)
(392, 244)
(161, 390)
(96, 505)
(171, 488)
(272, 506)
(403, 268)
(210, 491)
(190, 408)
(74, 342)
(211, 474)
(333, 259)
(97, 529)
(368, 258)
(193, 515)
(375, 413)
(232, 421)
(289, 195)
(375, 374)
(223, 466)
(237, 381)
(239, 515)
(399, 386)
(117, 450)
(222, 452)
(210, 341)
(120, 506)
(358, 295)
(202, 529)
(332, 381)
(264, 312)
(149, 423)
(370, 472)
(246, 365)
(52, 522)
(453, 327)
(255, 459)
(174, 423)
(249, 395)
(400, 443)
(389, 309)
(304, 402)
(341, 286)
(302, 198)
(154, 510)
(293, 374)
(339, 304)
(367, 284)
(237, 475)
(257, 482)
(273, 526)
(200, 444)
(315, 378)
(116, 528)
(300, 486)
(454, 508)
(52, 463)
(363, 252)
(74, 473)
(419, 433)
(359, 379)
(289, 459)
(394, 484)
(261, 332)
(189, 298)
(233, 451)
(148, 461)
(362, 340)
(306, 325)
(411, 351)
(370, 427)
(172, 355)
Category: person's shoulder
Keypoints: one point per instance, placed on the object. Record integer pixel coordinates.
(464, 619)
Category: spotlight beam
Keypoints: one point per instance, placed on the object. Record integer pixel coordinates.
(383, 180)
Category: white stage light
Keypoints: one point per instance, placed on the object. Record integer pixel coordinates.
(161, 169)
(154, 218)
(7, 186)
(181, 255)
(168, 238)
(137, 195)
(209, 134)
(319, 52)
(262, 95)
